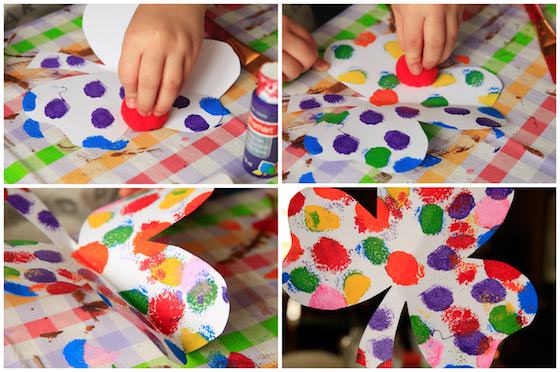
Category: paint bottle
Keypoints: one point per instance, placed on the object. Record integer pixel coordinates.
(261, 146)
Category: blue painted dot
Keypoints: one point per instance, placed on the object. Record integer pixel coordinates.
(32, 128)
(285, 278)
(213, 106)
(491, 111)
(74, 353)
(100, 142)
(18, 289)
(307, 178)
(312, 145)
(28, 103)
(406, 164)
(177, 351)
(528, 299)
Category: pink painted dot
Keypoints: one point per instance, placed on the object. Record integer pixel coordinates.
(489, 212)
(327, 298)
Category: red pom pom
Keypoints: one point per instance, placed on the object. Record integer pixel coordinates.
(141, 123)
(426, 77)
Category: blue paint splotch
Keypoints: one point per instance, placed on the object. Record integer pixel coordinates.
(491, 111)
(28, 103)
(312, 145)
(430, 161)
(406, 164)
(100, 142)
(74, 353)
(213, 106)
(32, 128)
(307, 178)
(443, 125)
(528, 300)
(498, 133)
(18, 289)
(177, 351)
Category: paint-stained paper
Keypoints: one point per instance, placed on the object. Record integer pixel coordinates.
(418, 244)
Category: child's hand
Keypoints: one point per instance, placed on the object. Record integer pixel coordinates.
(160, 47)
(427, 33)
(299, 51)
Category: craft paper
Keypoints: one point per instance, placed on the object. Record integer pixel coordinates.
(64, 61)
(177, 299)
(418, 245)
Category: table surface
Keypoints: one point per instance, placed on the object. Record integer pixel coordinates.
(501, 39)
(241, 231)
(162, 156)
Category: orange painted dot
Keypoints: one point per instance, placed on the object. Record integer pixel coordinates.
(93, 255)
(143, 245)
(384, 97)
(366, 222)
(403, 268)
(365, 38)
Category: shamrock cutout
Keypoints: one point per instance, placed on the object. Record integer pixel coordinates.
(418, 246)
(383, 129)
(176, 298)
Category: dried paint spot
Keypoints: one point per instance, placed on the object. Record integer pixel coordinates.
(117, 236)
(101, 118)
(20, 203)
(319, 219)
(139, 204)
(304, 280)
(56, 108)
(437, 298)
(431, 219)
(420, 329)
(47, 219)
(202, 295)
(488, 291)
(136, 299)
(40, 276)
(403, 268)
(95, 89)
(330, 255)
(375, 250)
(165, 311)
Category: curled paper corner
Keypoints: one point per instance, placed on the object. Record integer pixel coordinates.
(418, 246)
(174, 297)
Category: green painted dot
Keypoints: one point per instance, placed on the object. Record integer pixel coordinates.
(16, 243)
(334, 118)
(474, 78)
(10, 271)
(431, 219)
(343, 51)
(304, 280)
(388, 81)
(202, 295)
(503, 320)
(378, 157)
(436, 101)
(136, 299)
(314, 219)
(420, 329)
(117, 236)
(375, 250)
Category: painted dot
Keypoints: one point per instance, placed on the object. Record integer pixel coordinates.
(461, 206)
(343, 51)
(475, 343)
(460, 320)
(101, 118)
(371, 117)
(181, 102)
(501, 271)
(304, 280)
(202, 295)
(333, 98)
(29, 101)
(94, 89)
(375, 250)
(443, 258)
(498, 194)
(121, 92)
(312, 145)
(437, 298)
(196, 123)
(319, 219)
(397, 140)
(345, 144)
(474, 78)
(310, 103)
(40, 276)
(117, 236)
(327, 298)
(491, 111)
(355, 286)
(431, 219)
(378, 157)
(213, 106)
(486, 122)
(420, 329)
(32, 128)
(388, 81)
(435, 101)
(403, 268)
(50, 63)
(528, 300)
(381, 319)
(20, 203)
(382, 349)
(56, 108)
(504, 319)
(75, 61)
(384, 97)
(48, 256)
(488, 291)
(457, 111)
(330, 255)
(405, 164)
(406, 112)
(333, 118)
(140, 203)
(47, 219)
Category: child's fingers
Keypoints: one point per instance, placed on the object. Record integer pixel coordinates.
(399, 27)
(149, 81)
(129, 65)
(291, 68)
(413, 41)
(171, 83)
(321, 65)
(300, 31)
(434, 41)
(452, 27)
(299, 48)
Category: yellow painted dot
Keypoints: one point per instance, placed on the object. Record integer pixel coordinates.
(353, 77)
(174, 197)
(97, 219)
(399, 194)
(488, 99)
(444, 80)
(168, 272)
(319, 219)
(355, 286)
(192, 340)
(394, 49)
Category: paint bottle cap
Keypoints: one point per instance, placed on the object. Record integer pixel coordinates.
(426, 77)
(267, 82)
(140, 123)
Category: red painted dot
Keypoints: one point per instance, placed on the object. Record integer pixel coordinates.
(295, 252)
(501, 271)
(366, 222)
(361, 357)
(330, 255)
(424, 79)
(18, 257)
(165, 311)
(403, 268)
(384, 97)
(139, 204)
(238, 360)
(296, 204)
(195, 203)
(434, 195)
(62, 288)
(331, 194)
(461, 321)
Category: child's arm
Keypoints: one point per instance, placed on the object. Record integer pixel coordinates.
(427, 33)
(299, 51)
(160, 47)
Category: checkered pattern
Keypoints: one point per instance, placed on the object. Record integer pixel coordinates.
(501, 39)
(163, 156)
(247, 261)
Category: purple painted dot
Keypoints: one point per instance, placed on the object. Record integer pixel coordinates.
(407, 112)
(381, 319)
(181, 102)
(457, 111)
(40, 276)
(461, 206)
(225, 295)
(94, 89)
(475, 343)
(488, 291)
(121, 92)
(48, 219)
(397, 140)
(345, 144)
(56, 108)
(101, 118)
(50, 63)
(309, 104)
(20, 203)
(333, 98)
(48, 256)
(382, 349)
(486, 122)
(371, 117)
(443, 258)
(437, 298)
(498, 193)
(196, 123)
(75, 61)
